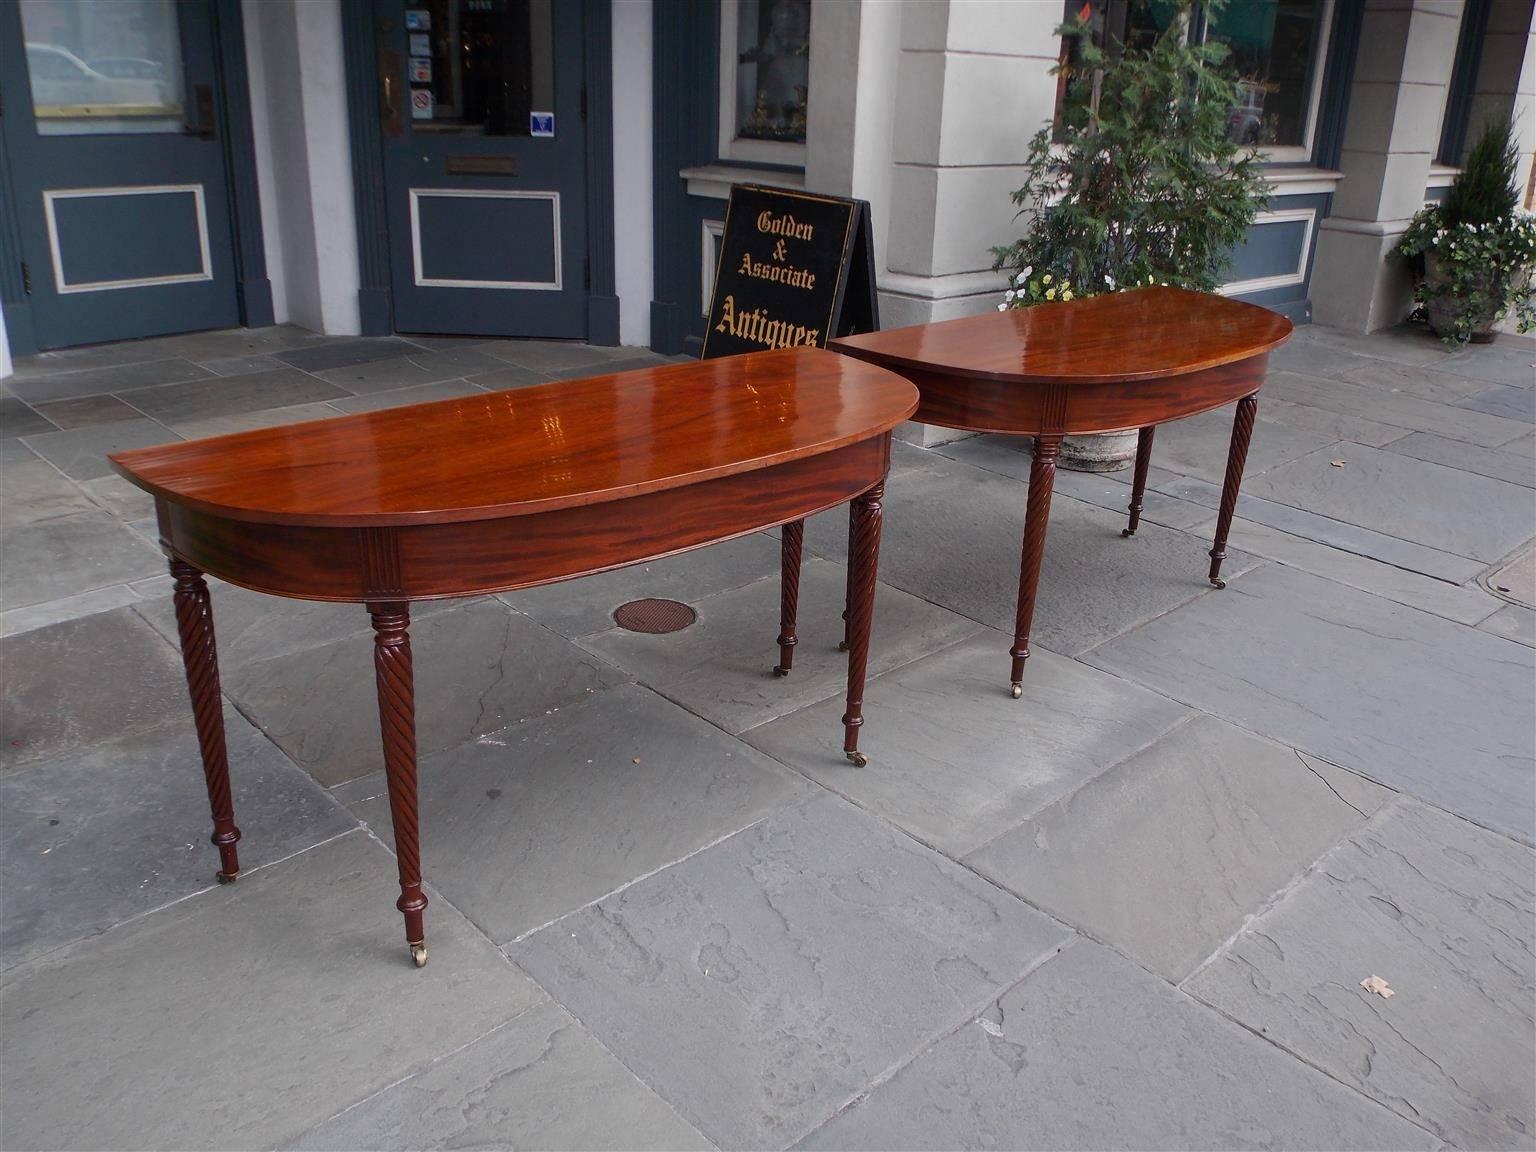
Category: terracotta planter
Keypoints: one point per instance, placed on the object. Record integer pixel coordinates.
(1442, 309)
(1108, 452)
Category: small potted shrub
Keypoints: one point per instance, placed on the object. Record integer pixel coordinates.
(1473, 253)
(1140, 181)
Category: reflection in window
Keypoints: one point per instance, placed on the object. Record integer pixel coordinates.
(1276, 50)
(488, 63)
(772, 72)
(103, 66)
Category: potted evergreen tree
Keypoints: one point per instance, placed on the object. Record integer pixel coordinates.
(1472, 254)
(1140, 181)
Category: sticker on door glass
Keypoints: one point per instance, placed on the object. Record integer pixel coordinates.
(418, 20)
(421, 44)
(541, 123)
(421, 71)
(421, 103)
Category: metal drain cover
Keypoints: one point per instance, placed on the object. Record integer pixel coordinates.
(654, 615)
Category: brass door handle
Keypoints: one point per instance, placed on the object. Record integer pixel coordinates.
(389, 92)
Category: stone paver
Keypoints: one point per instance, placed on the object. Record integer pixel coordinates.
(81, 453)
(68, 555)
(1165, 854)
(1349, 538)
(83, 681)
(957, 775)
(111, 830)
(739, 956)
(760, 984)
(477, 669)
(721, 667)
(542, 818)
(540, 1081)
(1441, 910)
(952, 535)
(1429, 504)
(1420, 704)
(1464, 603)
(1093, 1052)
(237, 1018)
(38, 491)
(581, 607)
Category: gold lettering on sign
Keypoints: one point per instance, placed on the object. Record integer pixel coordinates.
(760, 328)
(762, 270)
(785, 225)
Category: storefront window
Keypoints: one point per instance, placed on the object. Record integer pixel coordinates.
(765, 58)
(103, 66)
(487, 64)
(1276, 49)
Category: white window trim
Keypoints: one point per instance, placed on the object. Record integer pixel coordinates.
(1284, 279)
(731, 146)
(1297, 153)
(1284, 153)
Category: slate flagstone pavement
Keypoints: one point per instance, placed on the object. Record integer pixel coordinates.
(1130, 910)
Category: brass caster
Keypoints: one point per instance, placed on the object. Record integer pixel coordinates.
(779, 670)
(419, 954)
(228, 877)
(1016, 690)
(1218, 583)
(1127, 532)
(859, 759)
(842, 645)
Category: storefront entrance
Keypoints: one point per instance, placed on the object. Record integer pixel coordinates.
(115, 159)
(484, 143)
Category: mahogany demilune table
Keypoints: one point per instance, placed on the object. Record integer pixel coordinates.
(1105, 364)
(507, 490)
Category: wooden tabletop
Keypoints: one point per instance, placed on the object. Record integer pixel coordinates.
(1145, 334)
(533, 449)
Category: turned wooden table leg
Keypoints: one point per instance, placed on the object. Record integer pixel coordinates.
(863, 569)
(1139, 484)
(200, 654)
(1042, 479)
(1237, 456)
(792, 537)
(397, 722)
(848, 589)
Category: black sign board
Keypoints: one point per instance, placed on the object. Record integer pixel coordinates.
(795, 269)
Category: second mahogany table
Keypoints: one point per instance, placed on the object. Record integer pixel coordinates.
(507, 490)
(1105, 364)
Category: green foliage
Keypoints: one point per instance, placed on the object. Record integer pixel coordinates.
(1143, 186)
(1473, 255)
(1485, 189)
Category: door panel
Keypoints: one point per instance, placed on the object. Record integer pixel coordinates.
(485, 165)
(117, 173)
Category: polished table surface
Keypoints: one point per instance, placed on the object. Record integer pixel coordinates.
(506, 490)
(1104, 364)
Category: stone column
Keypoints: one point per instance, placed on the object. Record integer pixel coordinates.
(972, 85)
(1396, 104)
(1503, 86)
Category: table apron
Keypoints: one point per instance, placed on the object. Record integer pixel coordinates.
(1021, 408)
(428, 561)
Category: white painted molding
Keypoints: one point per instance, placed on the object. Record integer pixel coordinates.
(715, 180)
(63, 288)
(1285, 279)
(419, 194)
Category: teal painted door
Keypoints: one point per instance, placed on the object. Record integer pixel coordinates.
(484, 147)
(118, 186)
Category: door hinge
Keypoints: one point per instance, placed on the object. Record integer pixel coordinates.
(26, 278)
(583, 101)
